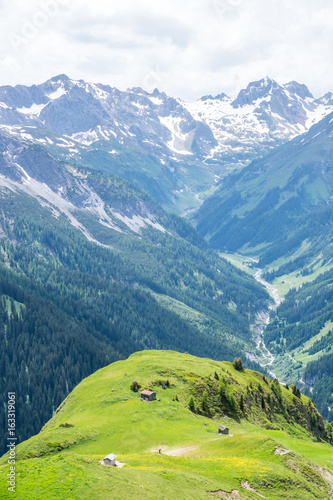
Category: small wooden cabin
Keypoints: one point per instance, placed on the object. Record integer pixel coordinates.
(148, 395)
(110, 459)
(223, 430)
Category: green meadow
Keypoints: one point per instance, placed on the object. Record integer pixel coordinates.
(270, 452)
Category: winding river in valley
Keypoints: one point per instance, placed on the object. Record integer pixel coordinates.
(263, 356)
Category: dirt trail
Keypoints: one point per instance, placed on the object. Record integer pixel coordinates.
(179, 452)
(174, 452)
(232, 495)
(247, 486)
(279, 450)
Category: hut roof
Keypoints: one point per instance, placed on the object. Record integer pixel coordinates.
(147, 393)
(222, 428)
(112, 456)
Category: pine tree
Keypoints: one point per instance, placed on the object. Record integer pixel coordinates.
(241, 403)
(192, 404)
(204, 404)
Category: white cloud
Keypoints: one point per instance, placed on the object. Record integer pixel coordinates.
(186, 48)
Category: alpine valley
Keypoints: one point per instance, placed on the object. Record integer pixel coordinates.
(132, 221)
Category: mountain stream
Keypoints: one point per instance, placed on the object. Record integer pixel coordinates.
(264, 357)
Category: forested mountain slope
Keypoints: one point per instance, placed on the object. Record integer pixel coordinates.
(318, 377)
(300, 335)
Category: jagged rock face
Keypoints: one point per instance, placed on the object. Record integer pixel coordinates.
(69, 107)
(77, 112)
(327, 99)
(255, 91)
(219, 97)
(298, 89)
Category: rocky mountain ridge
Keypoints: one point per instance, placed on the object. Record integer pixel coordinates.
(176, 151)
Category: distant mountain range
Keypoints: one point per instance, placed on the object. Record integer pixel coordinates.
(176, 151)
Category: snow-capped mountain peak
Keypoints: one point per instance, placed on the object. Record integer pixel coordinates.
(298, 89)
(327, 99)
(255, 91)
(218, 97)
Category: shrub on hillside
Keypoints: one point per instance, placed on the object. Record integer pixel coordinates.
(135, 386)
(238, 364)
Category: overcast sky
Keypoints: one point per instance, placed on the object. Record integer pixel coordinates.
(187, 48)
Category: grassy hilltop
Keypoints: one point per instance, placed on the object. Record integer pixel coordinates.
(278, 445)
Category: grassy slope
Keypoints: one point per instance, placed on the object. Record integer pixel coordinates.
(63, 462)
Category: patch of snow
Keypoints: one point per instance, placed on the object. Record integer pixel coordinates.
(97, 91)
(156, 100)
(150, 142)
(28, 137)
(180, 143)
(57, 93)
(34, 110)
(140, 106)
(103, 133)
(85, 138)
(318, 114)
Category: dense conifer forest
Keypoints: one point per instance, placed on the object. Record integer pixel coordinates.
(319, 375)
(302, 315)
